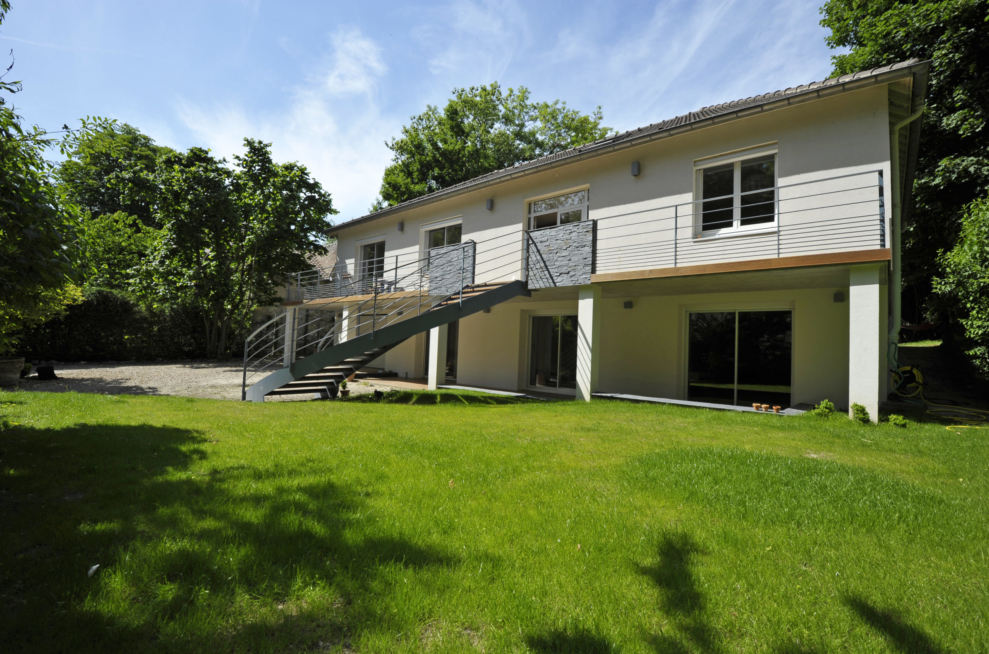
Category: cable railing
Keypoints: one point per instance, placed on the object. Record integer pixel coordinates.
(356, 307)
(834, 214)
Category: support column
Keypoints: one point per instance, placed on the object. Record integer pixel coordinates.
(866, 321)
(588, 340)
(344, 325)
(288, 349)
(437, 356)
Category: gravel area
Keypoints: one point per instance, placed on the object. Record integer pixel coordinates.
(219, 380)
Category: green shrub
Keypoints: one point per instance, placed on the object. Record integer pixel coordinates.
(897, 420)
(110, 325)
(860, 414)
(965, 282)
(824, 409)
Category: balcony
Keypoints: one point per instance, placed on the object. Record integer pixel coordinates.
(792, 222)
(838, 219)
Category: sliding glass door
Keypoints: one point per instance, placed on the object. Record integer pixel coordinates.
(553, 352)
(740, 357)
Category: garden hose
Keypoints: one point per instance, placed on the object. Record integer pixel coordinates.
(908, 383)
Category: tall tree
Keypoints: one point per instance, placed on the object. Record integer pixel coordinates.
(112, 248)
(37, 226)
(108, 169)
(228, 237)
(481, 129)
(965, 282)
(953, 167)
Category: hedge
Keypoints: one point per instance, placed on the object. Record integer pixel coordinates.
(111, 326)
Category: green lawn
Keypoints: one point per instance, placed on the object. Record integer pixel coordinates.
(928, 343)
(474, 524)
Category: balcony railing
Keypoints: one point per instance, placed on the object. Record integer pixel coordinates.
(829, 215)
(820, 216)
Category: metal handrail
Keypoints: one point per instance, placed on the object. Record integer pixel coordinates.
(425, 282)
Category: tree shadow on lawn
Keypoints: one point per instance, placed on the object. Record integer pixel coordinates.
(683, 601)
(562, 642)
(189, 560)
(901, 636)
(681, 598)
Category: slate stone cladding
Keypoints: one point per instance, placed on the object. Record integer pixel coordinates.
(445, 266)
(561, 255)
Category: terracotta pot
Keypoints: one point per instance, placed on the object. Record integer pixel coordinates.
(344, 392)
(10, 370)
(776, 409)
(765, 407)
(756, 406)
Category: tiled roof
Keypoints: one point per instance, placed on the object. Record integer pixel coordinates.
(669, 127)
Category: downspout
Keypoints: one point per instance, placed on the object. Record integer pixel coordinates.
(896, 234)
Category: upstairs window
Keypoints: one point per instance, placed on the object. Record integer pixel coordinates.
(372, 260)
(559, 210)
(443, 236)
(737, 195)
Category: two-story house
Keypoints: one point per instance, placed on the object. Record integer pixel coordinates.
(746, 253)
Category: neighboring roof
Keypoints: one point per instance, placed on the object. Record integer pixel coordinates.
(326, 262)
(704, 117)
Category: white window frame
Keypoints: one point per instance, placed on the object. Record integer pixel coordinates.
(529, 315)
(683, 338)
(584, 208)
(428, 227)
(359, 256)
(736, 229)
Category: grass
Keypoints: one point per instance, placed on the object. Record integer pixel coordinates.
(456, 522)
(928, 343)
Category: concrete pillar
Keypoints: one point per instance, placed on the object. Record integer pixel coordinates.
(437, 356)
(344, 326)
(288, 349)
(866, 323)
(588, 340)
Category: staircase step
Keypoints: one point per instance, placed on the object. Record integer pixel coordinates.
(297, 390)
(318, 378)
(383, 374)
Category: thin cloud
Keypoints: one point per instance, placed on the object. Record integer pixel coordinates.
(357, 64)
(332, 124)
(475, 41)
(82, 48)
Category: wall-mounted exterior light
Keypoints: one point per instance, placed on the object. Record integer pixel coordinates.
(839, 297)
(628, 304)
(401, 225)
(636, 169)
(489, 204)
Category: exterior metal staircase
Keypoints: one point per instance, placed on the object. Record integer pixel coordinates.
(310, 348)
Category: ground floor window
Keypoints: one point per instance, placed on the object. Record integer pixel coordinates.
(740, 357)
(553, 352)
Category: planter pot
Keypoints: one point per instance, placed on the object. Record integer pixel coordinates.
(10, 370)
(345, 392)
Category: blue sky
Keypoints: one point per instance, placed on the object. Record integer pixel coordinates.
(329, 82)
